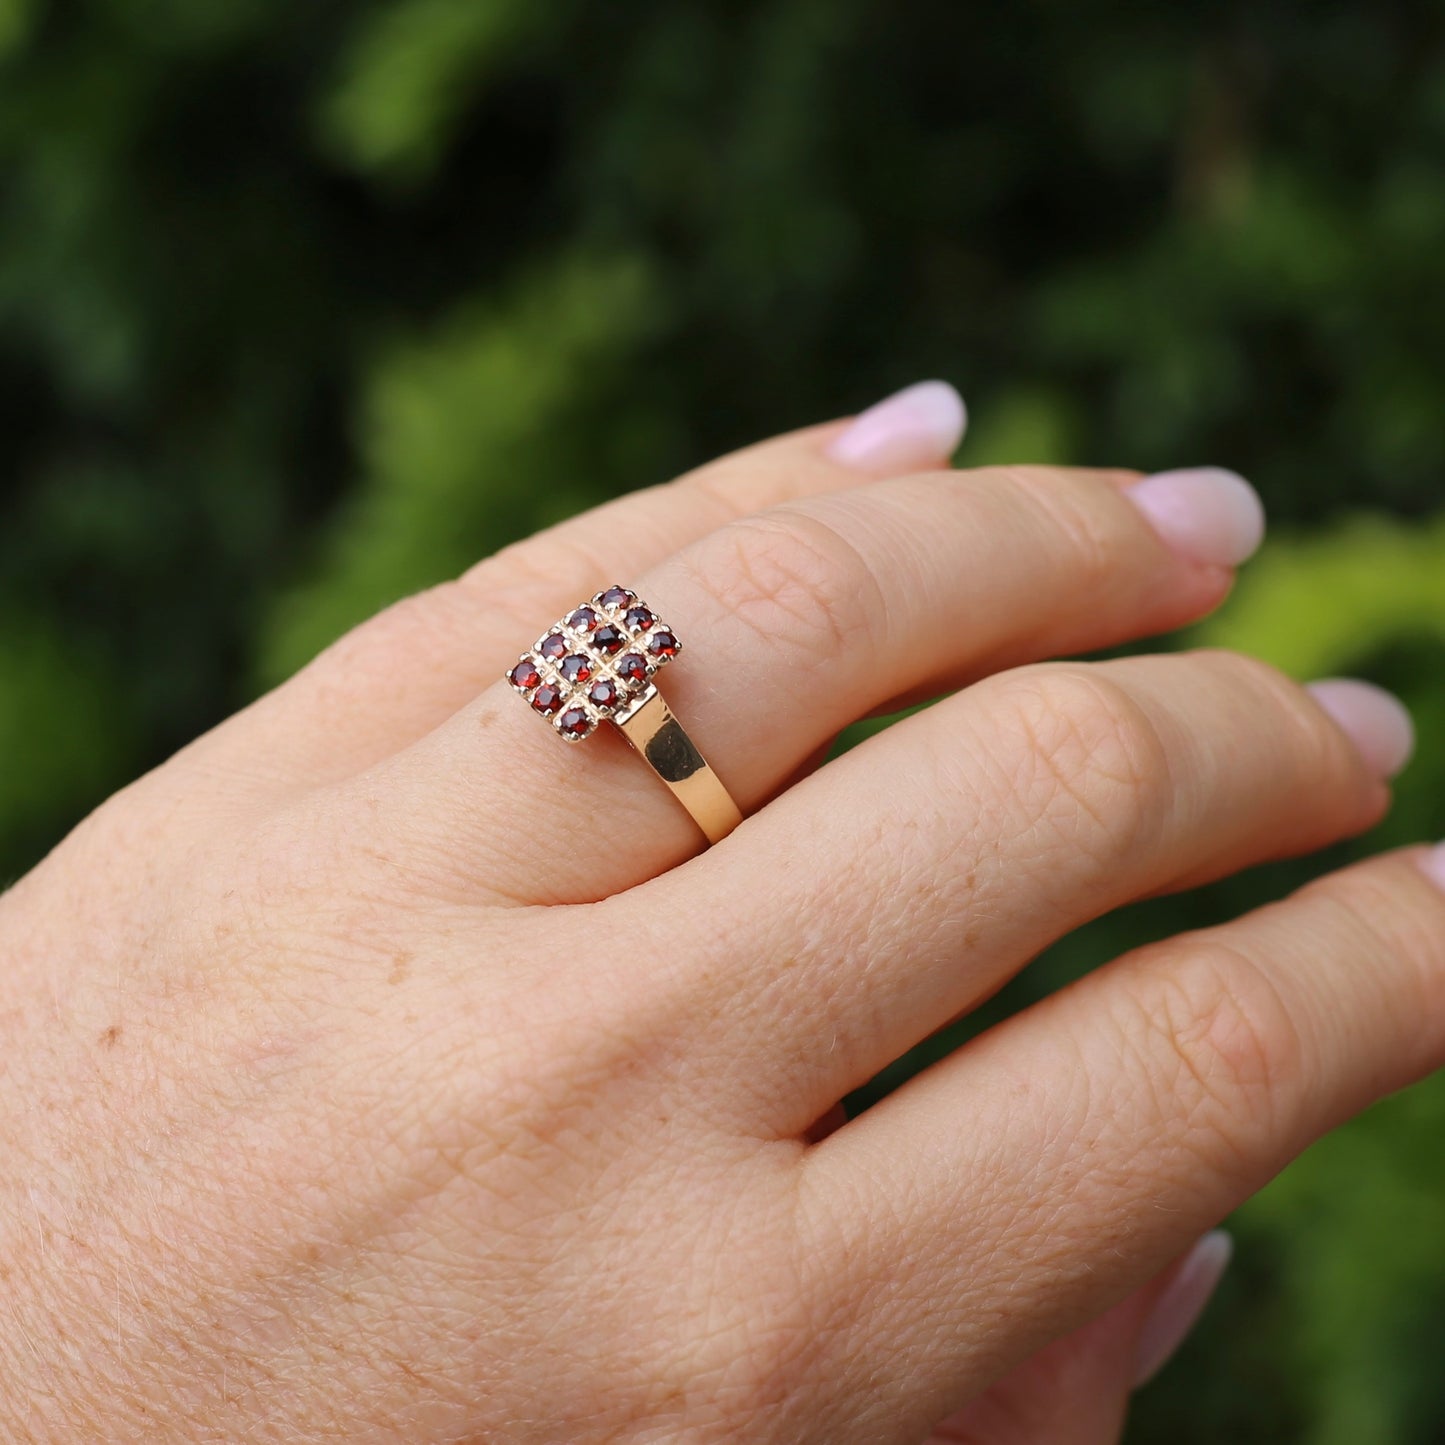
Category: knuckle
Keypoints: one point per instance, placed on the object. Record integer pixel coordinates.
(1096, 764)
(520, 585)
(532, 565)
(417, 619)
(1307, 742)
(1381, 915)
(1221, 1054)
(1371, 917)
(423, 629)
(1070, 506)
(737, 485)
(793, 578)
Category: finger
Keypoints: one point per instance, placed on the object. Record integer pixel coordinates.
(1098, 1131)
(946, 852)
(797, 621)
(400, 674)
(1075, 1391)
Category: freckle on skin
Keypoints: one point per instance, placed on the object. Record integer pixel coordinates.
(400, 968)
(111, 1037)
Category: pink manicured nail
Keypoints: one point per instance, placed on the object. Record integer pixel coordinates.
(919, 426)
(1177, 1310)
(1433, 863)
(1205, 513)
(1377, 721)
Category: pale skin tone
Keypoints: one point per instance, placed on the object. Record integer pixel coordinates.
(383, 1069)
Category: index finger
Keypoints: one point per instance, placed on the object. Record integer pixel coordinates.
(399, 674)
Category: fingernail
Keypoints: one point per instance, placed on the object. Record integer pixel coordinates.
(1204, 513)
(1178, 1309)
(919, 426)
(1376, 721)
(1433, 863)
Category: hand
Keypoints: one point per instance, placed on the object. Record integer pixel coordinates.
(383, 1069)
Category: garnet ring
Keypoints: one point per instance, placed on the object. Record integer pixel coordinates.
(597, 665)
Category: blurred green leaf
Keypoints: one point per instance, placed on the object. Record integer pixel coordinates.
(458, 430)
(16, 18)
(60, 732)
(410, 68)
(1023, 425)
(1321, 603)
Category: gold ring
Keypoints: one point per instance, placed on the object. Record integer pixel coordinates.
(596, 665)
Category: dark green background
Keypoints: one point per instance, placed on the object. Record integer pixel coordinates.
(305, 306)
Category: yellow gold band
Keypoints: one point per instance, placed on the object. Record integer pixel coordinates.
(657, 735)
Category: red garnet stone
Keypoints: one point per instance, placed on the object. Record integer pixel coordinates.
(576, 668)
(603, 693)
(554, 646)
(617, 597)
(632, 668)
(547, 698)
(662, 644)
(608, 639)
(584, 619)
(639, 618)
(525, 674)
(575, 722)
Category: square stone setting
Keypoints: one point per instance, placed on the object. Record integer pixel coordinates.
(597, 662)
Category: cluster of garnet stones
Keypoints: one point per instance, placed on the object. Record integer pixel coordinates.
(594, 662)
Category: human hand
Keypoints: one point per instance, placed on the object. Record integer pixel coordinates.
(381, 1069)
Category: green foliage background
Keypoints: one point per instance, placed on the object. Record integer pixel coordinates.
(303, 307)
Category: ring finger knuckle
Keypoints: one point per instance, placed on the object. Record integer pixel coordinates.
(1096, 762)
(1275, 708)
(1219, 1051)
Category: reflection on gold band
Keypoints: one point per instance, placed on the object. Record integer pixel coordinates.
(658, 736)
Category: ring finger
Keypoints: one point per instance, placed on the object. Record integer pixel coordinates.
(797, 621)
(402, 672)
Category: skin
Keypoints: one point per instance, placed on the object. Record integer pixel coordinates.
(381, 1069)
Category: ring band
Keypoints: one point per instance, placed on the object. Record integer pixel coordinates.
(596, 665)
